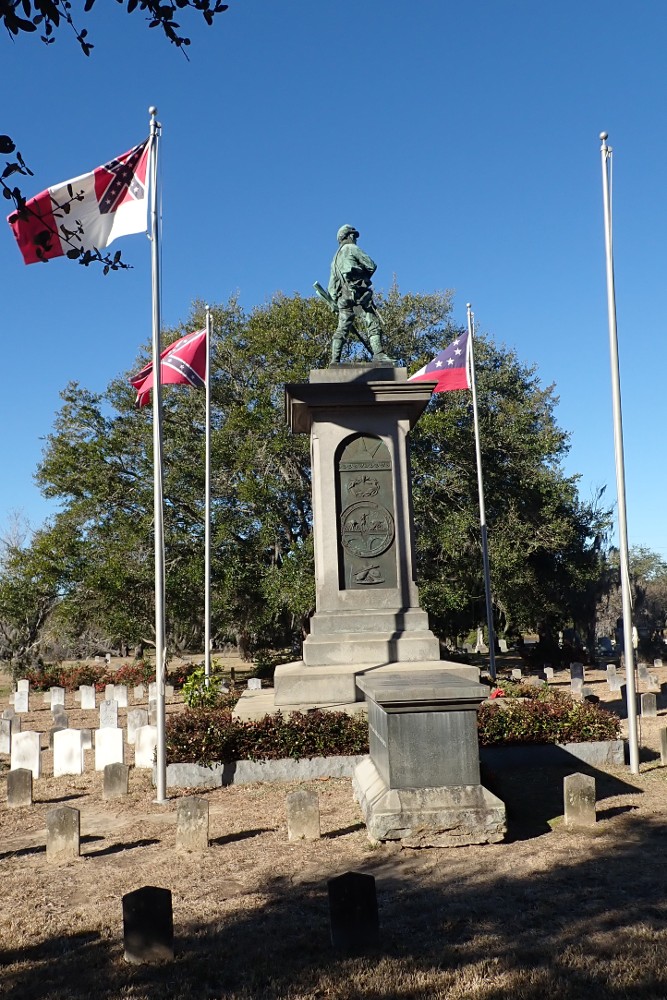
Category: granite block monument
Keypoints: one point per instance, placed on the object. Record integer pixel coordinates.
(368, 615)
(369, 636)
(421, 783)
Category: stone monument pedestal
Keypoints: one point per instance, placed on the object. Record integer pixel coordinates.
(368, 616)
(421, 782)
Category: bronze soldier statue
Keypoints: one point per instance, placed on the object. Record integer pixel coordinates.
(351, 292)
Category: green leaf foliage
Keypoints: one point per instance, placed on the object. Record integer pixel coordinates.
(206, 736)
(557, 719)
(87, 576)
(202, 692)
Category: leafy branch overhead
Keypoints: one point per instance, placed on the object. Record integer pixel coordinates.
(46, 16)
(43, 239)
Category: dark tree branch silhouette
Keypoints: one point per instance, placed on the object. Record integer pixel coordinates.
(46, 16)
(71, 236)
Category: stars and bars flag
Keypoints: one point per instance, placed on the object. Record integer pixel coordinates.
(86, 213)
(450, 369)
(182, 363)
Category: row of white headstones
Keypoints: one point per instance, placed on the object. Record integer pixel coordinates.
(24, 748)
(86, 694)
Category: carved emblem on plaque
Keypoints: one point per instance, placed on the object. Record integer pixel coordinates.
(362, 487)
(372, 574)
(367, 529)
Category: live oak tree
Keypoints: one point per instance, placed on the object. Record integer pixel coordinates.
(544, 540)
(648, 591)
(545, 543)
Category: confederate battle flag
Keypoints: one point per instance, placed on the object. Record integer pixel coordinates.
(87, 212)
(182, 363)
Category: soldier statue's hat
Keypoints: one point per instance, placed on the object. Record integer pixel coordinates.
(346, 231)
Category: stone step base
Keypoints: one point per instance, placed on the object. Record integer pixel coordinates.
(298, 684)
(448, 816)
(253, 705)
(343, 648)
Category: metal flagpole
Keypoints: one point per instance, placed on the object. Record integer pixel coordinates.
(207, 525)
(631, 696)
(482, 510)
(158, 521)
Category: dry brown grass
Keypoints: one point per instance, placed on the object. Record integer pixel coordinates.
(548, 913)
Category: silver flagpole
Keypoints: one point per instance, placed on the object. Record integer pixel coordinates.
(207, 524)
(482, 510)
(160, 652)
(631, 696)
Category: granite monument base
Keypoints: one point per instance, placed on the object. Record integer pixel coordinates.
(421, 782)
(449, 816)
(298, 685)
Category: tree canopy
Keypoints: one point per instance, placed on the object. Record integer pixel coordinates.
(96, 589)
(648, 592)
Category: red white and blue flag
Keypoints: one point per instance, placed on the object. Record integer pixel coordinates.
(450, 369)
(87, 212)
(182, 363)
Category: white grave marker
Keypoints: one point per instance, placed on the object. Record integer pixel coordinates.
(145, 742)
(87, 697)
(57, 696)
(136, 718)
(109, 748)
(109, 717)
(21, 701)
(67, 752)
(26, 753)
(5, 735)
(120, 695)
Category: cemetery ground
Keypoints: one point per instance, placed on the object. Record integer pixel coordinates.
(548, 913)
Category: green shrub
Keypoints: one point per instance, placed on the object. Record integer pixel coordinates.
(209, 735)
(198, 694)
(557, 719)
(519, 689)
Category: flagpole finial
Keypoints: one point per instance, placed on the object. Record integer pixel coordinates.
(152, 110)
(604, 136)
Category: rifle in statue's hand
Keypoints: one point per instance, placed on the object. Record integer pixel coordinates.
(324, 295)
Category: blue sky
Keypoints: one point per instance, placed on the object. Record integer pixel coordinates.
(461, 139)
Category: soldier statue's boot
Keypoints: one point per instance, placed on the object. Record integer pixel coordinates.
(336, 348)
(378, 353)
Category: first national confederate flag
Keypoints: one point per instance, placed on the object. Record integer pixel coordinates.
(87, 212)
(183, 362)
(449, 369)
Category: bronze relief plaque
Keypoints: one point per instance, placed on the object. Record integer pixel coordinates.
(365, 503)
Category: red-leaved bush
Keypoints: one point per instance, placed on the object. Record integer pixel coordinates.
(71, 677)
(205, 736)
(557, 719)
(211, 735)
